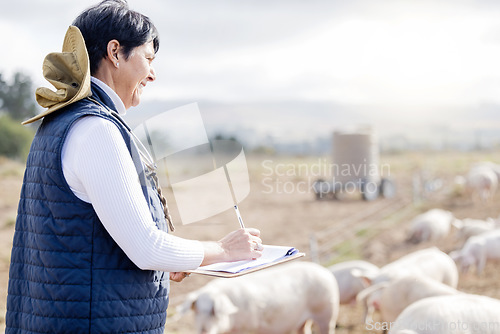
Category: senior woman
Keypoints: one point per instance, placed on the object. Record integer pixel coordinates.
(91, 252)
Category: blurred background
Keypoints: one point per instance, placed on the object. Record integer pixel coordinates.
(285, 73)
(281, 77)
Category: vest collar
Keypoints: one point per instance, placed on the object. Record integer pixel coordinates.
(117, 102)
(100, 95)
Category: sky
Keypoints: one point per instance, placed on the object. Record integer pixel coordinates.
(295, 67)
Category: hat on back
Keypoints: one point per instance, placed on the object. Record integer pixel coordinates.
(68, 71)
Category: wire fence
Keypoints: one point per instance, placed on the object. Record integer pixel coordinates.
(331, 243)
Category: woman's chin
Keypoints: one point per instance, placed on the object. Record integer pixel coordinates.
(136, 99)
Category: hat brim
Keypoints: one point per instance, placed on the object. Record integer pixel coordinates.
(74, 43)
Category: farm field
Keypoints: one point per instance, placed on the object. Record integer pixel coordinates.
(283, 207)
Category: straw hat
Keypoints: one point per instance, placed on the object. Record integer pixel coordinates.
(68, 71)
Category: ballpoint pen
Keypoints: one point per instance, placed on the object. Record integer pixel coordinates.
(239, 216)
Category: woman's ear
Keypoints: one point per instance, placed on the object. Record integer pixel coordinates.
(112, 52)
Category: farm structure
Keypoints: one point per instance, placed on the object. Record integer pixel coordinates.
(355, 167)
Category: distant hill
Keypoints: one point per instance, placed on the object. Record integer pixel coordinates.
(306, 126)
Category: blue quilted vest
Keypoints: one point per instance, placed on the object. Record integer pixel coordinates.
(67, 275)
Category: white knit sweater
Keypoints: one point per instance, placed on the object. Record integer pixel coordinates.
(99, 170)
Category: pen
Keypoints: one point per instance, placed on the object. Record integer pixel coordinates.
(239, 216)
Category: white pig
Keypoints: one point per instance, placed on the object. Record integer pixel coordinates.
(456, 314)
(481, 183)
(392, 297)
(477, 250)
(431, 225)
(348, 278)
(430, 262)
(468, 227)
(282, 299)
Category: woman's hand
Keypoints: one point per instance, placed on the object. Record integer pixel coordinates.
(242, 244)
(178, 276)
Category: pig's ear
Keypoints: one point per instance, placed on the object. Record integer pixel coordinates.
(366, 277)
(367, 292)
(224, 305)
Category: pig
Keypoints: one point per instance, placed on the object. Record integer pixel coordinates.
(390, 298)
(477, 250)
(481, 183)
(282, 299)
(489, 164)
(431, 225)
(468, 227)
(430, 262)
(348, 278)
(453, 314)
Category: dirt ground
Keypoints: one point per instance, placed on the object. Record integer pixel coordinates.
(282, 206)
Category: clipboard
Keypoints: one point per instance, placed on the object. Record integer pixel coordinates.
(271, 256)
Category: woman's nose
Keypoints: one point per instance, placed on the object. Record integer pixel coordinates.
(152, 74)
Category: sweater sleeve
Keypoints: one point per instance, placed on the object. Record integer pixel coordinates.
(99, 170)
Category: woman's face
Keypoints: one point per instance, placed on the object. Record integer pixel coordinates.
(134, 73)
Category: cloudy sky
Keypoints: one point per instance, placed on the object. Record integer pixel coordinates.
(387, 62)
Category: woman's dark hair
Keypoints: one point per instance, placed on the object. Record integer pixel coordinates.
(112, 19)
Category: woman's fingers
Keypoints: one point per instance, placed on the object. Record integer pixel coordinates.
(242, 244)
(178, 276)
(252, 231)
